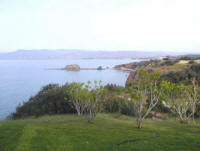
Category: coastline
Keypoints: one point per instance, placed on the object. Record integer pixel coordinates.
(114, 68)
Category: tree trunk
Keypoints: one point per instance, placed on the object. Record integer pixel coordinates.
(78, 111)
(90, 117)
(193, 119)
(139, 124)
(193, 112)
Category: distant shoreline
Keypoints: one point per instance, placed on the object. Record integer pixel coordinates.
(113, 68)
(73, 70)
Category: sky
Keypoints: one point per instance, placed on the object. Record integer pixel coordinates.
(147, 25)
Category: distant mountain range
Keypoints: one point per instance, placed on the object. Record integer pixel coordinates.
(82, 54)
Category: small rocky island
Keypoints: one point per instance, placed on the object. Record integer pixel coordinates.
(72, 67)
(76, 67)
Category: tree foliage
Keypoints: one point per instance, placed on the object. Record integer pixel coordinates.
(148, 93)
(145, 94)
(94, 99)
(77, 94)
(182, 99)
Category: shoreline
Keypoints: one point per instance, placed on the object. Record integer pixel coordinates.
(74, 69)
(120, 69)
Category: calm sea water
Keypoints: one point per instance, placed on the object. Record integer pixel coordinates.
(20, 79)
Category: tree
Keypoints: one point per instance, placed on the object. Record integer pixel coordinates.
(94, 99)
(145, 93)
(182, 99)
(78, 96)
(182, 104)
(193, 96)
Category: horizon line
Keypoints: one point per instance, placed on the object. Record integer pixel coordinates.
(102, 50)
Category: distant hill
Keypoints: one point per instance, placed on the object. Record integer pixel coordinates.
(81, 54)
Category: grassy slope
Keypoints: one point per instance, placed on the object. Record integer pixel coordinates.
(180, 65)
(175, 67)
(72, 133)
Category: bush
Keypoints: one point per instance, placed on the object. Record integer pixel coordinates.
(126, 108)
(112, 98)
(186, 58)
(55, 99)
(191, 62)
(50, 100)
(184, 76)
(168, 62)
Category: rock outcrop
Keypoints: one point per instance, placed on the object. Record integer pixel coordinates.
(72, 67)
(134, 75)
(100, 68)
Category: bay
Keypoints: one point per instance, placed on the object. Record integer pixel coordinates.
(21, 79)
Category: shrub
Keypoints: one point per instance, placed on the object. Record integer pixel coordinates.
(49, 100)
(191, 62)
(184, 76)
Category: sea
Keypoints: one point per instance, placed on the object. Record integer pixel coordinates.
(21, 79)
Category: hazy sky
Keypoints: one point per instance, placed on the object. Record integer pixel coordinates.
(100, 24)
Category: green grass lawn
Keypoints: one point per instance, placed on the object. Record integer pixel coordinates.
(108, 133)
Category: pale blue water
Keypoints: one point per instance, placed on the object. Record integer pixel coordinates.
(20, 79)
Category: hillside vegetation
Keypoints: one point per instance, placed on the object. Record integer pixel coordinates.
(175, 93)
(109, 132)
(172, 69)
